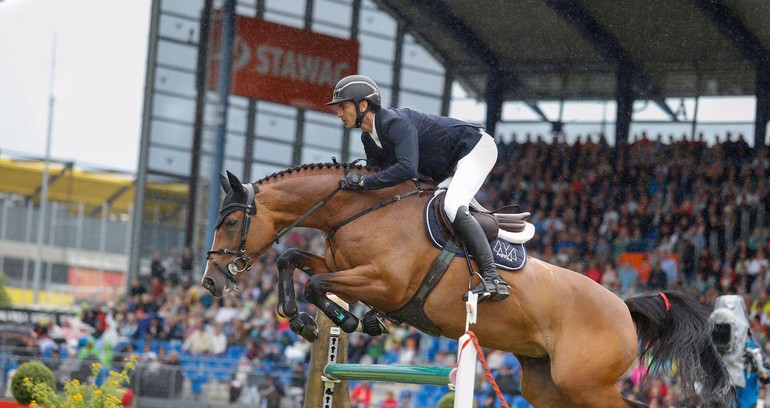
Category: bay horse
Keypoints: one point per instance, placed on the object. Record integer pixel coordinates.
(573, 337)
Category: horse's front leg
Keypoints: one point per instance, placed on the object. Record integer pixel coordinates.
(361, 282)
(300, 322)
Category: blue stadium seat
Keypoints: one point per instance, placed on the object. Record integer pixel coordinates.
(196, 383)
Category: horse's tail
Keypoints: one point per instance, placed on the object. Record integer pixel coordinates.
(675, 328)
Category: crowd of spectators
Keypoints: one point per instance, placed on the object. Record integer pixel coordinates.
(699, 212)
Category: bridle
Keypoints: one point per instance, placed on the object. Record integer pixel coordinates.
(242, 263)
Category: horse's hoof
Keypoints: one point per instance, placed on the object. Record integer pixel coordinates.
(292, 309)
(304, 325)
(372, 325)
(350, 324)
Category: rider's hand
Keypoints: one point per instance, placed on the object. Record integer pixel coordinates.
(352, 181)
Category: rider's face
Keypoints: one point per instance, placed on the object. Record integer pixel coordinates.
(346, 111)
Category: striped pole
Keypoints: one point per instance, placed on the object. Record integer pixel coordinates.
(389, 373)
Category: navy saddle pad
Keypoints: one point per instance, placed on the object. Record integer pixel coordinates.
(507, 256)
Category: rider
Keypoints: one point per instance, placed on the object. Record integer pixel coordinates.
(406, 142)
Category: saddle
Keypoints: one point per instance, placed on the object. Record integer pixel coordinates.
(511, 227)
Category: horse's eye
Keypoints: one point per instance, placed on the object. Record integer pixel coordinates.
(231, 223)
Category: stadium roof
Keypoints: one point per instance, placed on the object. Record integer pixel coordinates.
(571, 49)
(93, 188)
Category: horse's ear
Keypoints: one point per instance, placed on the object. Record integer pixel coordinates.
(225, 183)
(235, 183)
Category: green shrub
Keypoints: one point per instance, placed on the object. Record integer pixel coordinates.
(35, 372)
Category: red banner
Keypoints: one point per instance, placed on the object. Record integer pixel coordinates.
(284, 64)
(91, 284)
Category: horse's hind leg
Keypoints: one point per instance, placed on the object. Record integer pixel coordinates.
(539, 389)
(537, 386)
(300, 322)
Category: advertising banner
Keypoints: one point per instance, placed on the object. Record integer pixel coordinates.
(282, 64)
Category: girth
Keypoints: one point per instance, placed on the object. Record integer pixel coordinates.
(413, 312)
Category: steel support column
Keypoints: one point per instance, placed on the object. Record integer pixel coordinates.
(624, 98)
(763, 106)
(494, 101)
(223, 89)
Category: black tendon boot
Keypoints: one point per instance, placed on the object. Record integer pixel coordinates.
(492, 285)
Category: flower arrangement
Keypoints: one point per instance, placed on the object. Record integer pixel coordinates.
(80, 395)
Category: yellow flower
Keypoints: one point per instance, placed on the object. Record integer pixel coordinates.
(26, 379)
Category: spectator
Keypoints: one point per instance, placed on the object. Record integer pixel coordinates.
(297, 383)
(186, 264)
(157, 269)
(174, 266)
(508, 381)
(272, 394)
(199, 340)
(127, 327)
(628, 277)
(218, 340)
(361, 395)
(658, 280)
(389, 401)
(137, 289)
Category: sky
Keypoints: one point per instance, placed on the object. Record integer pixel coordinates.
(101, 51)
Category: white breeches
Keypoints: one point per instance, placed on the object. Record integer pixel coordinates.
(470, 173)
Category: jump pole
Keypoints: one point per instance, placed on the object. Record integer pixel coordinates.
(331, 347)
(335, 372)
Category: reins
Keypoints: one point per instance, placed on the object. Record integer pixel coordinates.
(242, 263)
(295, 223)
(398, 197)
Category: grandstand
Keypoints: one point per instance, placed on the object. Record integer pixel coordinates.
(87, 244)
(621, 200)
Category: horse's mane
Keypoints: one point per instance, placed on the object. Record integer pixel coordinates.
(311, 166)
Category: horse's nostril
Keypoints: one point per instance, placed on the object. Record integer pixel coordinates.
(208, 283)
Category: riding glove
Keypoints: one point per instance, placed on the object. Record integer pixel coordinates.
(352, 181)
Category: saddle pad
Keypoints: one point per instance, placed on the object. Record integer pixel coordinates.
(507, 256)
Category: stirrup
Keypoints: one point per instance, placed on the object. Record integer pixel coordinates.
(490, 288)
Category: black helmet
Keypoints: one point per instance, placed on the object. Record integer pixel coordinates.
(356, 88)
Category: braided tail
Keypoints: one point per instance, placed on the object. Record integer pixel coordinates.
(674, 327)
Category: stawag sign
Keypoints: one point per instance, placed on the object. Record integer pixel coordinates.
(284, 64)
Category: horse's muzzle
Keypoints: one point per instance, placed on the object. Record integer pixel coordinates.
(209, 284)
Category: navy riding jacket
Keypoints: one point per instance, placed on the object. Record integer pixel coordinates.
(414, 142)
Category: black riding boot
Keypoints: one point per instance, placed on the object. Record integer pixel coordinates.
(492, 285)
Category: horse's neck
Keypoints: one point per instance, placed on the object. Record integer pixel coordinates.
(291, 196)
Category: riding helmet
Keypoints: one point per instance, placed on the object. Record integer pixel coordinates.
(356, 88)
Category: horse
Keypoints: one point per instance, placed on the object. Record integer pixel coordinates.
(573, 337)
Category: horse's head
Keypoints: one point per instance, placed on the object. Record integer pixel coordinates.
(237, 230)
